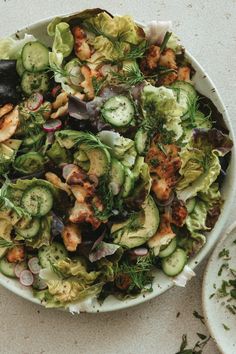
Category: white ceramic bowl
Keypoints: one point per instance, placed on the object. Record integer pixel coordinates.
(161, 283)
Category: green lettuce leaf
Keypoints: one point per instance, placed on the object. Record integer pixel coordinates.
(200, 161)
(112, 37)
(63, 41)
(196, 221)
(76, 268)
(68, 282)
(11, 48)
(63, 293)
(161, 109)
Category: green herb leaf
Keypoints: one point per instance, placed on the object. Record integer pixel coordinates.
(198, 316)
(201, 336)
(225, 327)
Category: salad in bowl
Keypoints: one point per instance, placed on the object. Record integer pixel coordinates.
(111, 160)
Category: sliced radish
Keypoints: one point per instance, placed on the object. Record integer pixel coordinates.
(52, 125)
(19, 268)
(39, 283)
(34, 101)
(26, 278)
(34, 265)
(138, 252)
(56, 90)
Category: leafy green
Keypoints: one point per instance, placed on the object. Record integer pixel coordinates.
(112, 37)
(63, 40)
(72, 282)
(11, 48)
(161, 110)
(196, 221)
(200, 162)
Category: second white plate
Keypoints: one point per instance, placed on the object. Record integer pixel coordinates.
(220, 321)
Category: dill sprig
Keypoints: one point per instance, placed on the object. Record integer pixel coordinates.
(139, 273)
(98, 84)
(130, 77)
(105, 193)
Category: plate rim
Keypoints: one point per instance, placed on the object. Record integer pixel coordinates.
(204, 296)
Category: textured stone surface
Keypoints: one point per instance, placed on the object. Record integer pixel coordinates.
(208, 30)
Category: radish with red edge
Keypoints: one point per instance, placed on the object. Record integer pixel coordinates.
(34, 101)
(19, 268)
(26, 278)
(52, 125)
(34, 265)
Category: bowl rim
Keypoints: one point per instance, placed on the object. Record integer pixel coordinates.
(194, 262)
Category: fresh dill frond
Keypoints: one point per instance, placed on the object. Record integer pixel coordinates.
(98, 84)
(105, 194)
(139, 274)
(131, 76)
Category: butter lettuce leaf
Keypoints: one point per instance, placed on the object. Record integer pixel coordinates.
(196, 221)
(11, 48)
(162, 110)
(112, 37)
(63, 40)
(200, 161)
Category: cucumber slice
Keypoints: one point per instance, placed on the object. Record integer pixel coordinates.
(31, 230)
(174, 264)
(34, 82)
(118, 111)
(117, 176)
(20, 67)
(141, 141)
(51, 254)
(35, 56)
(37, 200)
(190, 205)
(169, 249)
(128, 183)
(7, 268)
(138, 166)
(28, 163)
(33, 139)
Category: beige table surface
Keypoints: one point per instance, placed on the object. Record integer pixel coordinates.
(208, 29)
